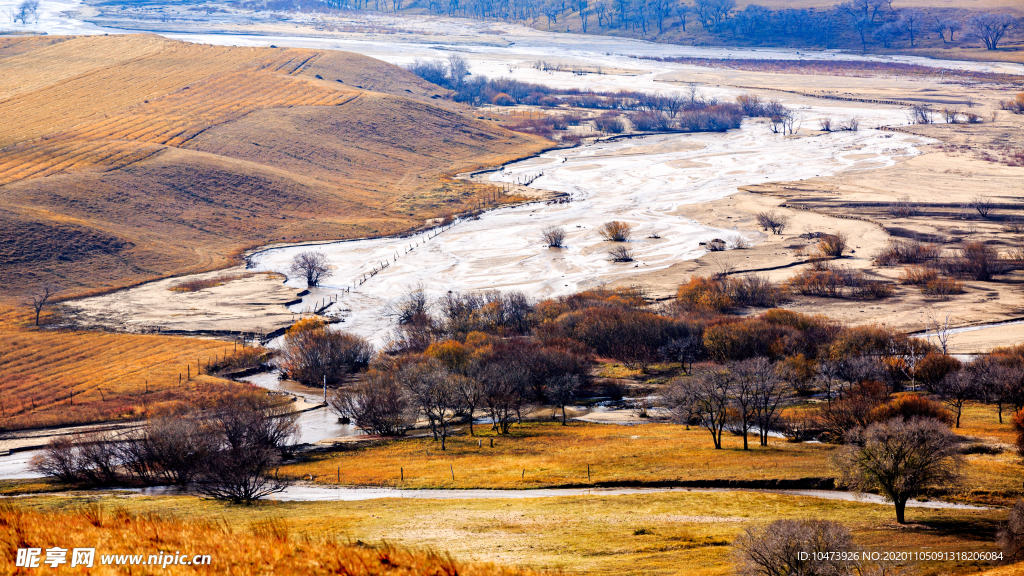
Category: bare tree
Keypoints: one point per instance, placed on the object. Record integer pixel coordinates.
(249, 435)
(900, 458)
(378, 404)
(27, 12)
(990, 28)
(315, 355)
(312, 266)
(921, 114)
(767, 391)
(562, 390)
(553, 236)
(911, 20)
(791, 547)
(982, 204)
(42, 296)
(941, 330)
(437, 393)
(712, 391)
(955, 390)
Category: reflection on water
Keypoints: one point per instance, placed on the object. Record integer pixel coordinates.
(314, 425)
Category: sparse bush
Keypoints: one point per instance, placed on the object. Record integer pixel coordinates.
(1016, 105)
(942, 288)
(553, 236)
(615, 231)
(918, 275)
(825, 124)
(715, 245)
(975, 261)
(903, 208)
(773, 221)
(903, 251)
(621, 254)
(650, 121)
(1011, 534)
(610, 122)
(908, 407)
(740, 243)
(832, 245)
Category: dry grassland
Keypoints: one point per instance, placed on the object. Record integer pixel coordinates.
(261, 546)
(58, 378)
(554, 455)
(129, 158)
(680, 532)
(543, 455)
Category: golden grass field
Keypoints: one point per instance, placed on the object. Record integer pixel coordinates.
(681, 532)
(111, 376)
(541, 455)
(129, 158)
(261, 546)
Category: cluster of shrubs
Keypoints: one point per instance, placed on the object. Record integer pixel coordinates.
(230, 452)
(934, 272)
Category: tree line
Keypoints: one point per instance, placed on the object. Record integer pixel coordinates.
(861, 23)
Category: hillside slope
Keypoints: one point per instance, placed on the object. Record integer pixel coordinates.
(127, 158)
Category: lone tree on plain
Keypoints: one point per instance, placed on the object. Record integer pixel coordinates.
(312, 266)
(901, 458)
(554, 236)
(991, 28)
(616, 231)
(42, 296)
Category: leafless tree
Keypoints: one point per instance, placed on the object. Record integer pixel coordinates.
(410, 308)
(563, 390)
(41, 297)
(791, 547)
(27, 11)
(941, 329)
(742, 398)
(683, 350)
(553, 236)
(505, 393)
(249, 436)
(983, 205)
(825, 124)
(900, 458)
(437, 393)
(921, 114)
(903, 208)
(312, 266)
(377, 404)
(621, 254)
(911, 20)
(955, 390)
(767, 390)
(712, 391)
(990, 28)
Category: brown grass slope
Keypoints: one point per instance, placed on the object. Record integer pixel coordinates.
(264, 547)
(142, 157)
